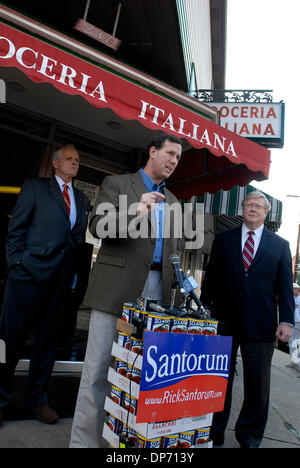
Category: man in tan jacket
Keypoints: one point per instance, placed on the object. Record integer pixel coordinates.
(132, 217)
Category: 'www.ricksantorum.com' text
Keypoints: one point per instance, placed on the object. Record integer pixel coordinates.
(182, 395)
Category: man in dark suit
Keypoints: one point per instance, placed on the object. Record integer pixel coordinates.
(45, 235)
(249, 283)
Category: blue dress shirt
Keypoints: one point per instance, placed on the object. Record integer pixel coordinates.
(73, 211)
(159, 216)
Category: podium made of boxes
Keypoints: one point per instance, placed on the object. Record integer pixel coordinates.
(122, 403)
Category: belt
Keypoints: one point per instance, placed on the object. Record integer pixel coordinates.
(155, 267)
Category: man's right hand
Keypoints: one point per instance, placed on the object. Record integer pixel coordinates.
(148, 202)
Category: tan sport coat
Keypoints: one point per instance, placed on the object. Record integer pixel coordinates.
(123, 262)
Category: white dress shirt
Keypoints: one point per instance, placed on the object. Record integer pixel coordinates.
(256, 236)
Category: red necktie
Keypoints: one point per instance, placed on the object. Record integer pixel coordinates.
(248, 252)
(67, 198)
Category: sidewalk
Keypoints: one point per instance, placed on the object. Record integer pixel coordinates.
(283, 429)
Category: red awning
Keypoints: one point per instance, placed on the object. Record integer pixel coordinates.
(225, 159)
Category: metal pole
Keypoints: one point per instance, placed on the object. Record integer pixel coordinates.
(296, 270)
(117, 19)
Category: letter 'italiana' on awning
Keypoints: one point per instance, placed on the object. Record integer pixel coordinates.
(226, 158)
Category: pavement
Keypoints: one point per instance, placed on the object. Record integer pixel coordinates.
(282, 431)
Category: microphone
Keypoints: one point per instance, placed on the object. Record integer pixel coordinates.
(157, 308)
(174, 259)
(175, 311)
(190, 286)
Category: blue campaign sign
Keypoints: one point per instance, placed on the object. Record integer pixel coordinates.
(183, 375)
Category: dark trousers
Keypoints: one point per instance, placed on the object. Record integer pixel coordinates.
(30, 306)
(252, 420)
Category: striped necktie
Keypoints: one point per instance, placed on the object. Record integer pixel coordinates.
(248, 252)
(67, 198)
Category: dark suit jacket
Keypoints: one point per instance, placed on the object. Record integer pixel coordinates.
(122, 265)
(40, 239)
(248, 302)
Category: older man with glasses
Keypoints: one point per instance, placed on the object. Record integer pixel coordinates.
(252, 267)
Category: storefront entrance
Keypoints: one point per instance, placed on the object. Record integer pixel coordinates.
(27, 142)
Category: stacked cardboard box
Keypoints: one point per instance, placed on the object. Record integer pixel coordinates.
(121, 404)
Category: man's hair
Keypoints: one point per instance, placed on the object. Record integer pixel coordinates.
(58, 153)
(159, 141)
(256, 194)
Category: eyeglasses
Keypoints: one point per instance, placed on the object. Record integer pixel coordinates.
(249, 206)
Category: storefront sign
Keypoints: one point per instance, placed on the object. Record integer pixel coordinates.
(42, 62)
(97, 34)
(262, 122)
(182, 375)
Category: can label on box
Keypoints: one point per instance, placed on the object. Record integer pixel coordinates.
(130, 403)
(124, 340)
(114, 424)
(158, 322)
(185, 439)
(131, 433)
(136, 346)
(134, 374)
(148, 443)
(179, 325)
(169, 441)
(210, 327)
(201, 435)
(117, 395)
(120, 367)
(141, 315)
(195, 326)
(127, 312)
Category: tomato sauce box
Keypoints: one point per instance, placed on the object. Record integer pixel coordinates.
(134, 374)
(136, 346)
(201, 435)
(117, 395)
(130, 403)
(148, 443)
(124, 340)
(127, 312)
(185, 439)
(158, 322)
(141, 315)
(114, 424)
(179, 325)
(120, 367)
(210, 327)
(131, 433)
(169, 441)
(195, 326)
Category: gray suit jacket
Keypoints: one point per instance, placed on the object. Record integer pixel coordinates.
(122, 265)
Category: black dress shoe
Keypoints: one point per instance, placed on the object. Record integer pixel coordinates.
(251, 442)
(218, 439)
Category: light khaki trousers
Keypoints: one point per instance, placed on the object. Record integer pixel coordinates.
(89, 414)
